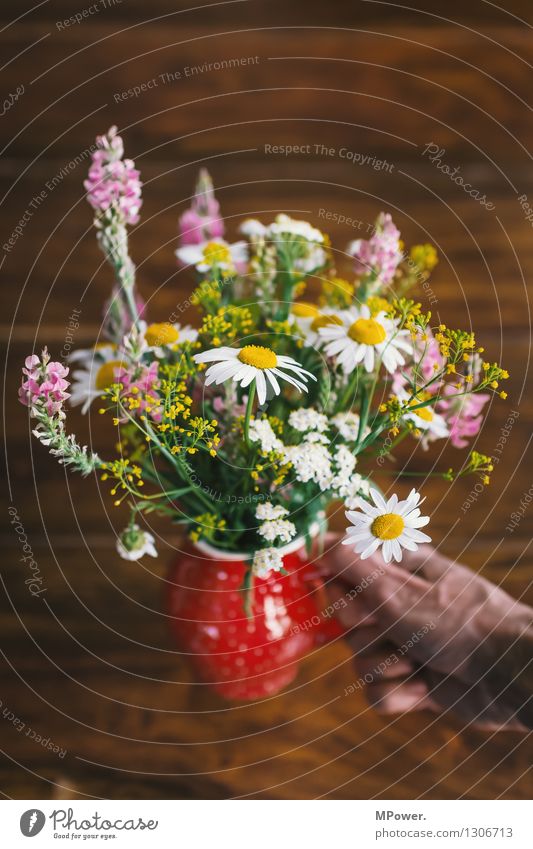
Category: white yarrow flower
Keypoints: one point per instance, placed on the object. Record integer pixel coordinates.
(348, 426)
(391, 523)
(308, 419)
(311, 461)
(277, 530)
(261, 431)
(265, 561)
(253, 363)
(267, 510)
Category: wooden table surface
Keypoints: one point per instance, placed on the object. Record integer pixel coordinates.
(90, 666)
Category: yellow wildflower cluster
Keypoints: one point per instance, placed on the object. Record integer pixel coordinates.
(492, 374)
(410, 314)
(207, 525)
(127, 477)
(479, 464)
(425, 257)
(272, 465)
(207, 295)
(377, 304)
(337, 292)
(226, 325)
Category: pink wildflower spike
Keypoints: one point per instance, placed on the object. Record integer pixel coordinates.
(201, 222)
(112, 180)
(45, 387)
(381, 253)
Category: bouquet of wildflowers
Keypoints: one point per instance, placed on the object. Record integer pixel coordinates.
(290, 392)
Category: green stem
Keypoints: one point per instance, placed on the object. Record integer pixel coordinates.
(248, 414)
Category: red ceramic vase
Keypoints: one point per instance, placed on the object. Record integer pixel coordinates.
(247, 658)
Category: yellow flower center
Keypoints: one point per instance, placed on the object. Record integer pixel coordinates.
(105, 376)
(367, 331)
(305, 310)
(161, 334)
(258, 357)
(425, 413)
(324, 320)
(388, 526)
(214, 252)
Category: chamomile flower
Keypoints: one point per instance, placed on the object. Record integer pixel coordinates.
(431, 424)
(163, 334)
(284, 229)
(220, 253)
(391, 523)
(253, 363)
(308, 319)
(133, 543)
(367, 339)
(98, 370)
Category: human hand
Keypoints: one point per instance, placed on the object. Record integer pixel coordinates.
(430, 633)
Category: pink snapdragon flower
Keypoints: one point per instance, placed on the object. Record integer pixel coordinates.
(201, 222)
(140, 384)
(112, 180)
(463, 414)
(45, 385)
(381, 253)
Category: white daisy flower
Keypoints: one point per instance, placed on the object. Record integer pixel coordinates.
(253, 363)
(285, 225)
(277, 529)
(265, 561)
(285, 228)
(363, 338)
(308, 419)
(425, 419)
(308, 319)
(132, 544)
(99, 367)
(267, 510)
(228, 257)
(251, 228)
(391, 523)
(163, 333)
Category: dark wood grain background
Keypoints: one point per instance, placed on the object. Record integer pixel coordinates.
(90, 665)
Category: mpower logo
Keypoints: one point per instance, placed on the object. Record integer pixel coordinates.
(32, 822)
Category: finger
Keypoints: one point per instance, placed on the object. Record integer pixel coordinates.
(400, 696)
(383, 665)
